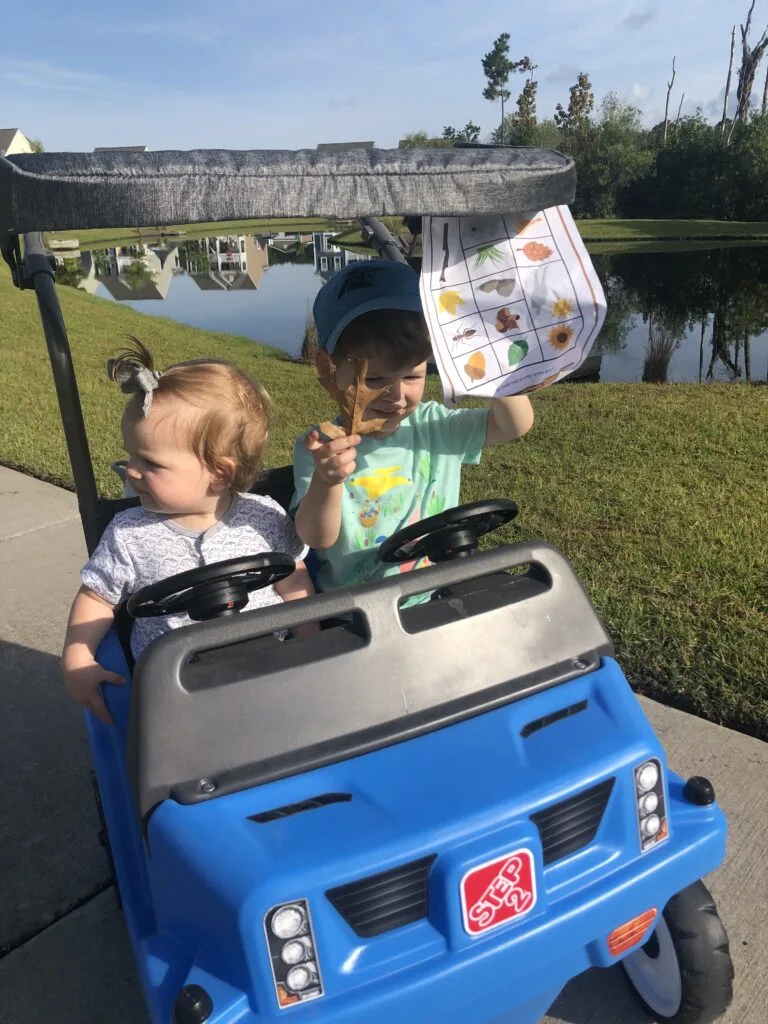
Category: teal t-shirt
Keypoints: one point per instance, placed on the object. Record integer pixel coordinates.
(398, 480)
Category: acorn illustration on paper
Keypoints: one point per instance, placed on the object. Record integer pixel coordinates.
(475, 368)
(506, 321)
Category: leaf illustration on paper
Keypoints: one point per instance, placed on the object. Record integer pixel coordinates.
(485, 253)
(523, 223)
(503, 285)
(450, 301)
(535, 251)
(537, 297)
(517, 352)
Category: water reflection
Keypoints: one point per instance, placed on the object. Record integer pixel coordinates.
(672, 316)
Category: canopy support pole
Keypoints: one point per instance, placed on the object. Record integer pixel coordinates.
(37, 271)
(376, 234)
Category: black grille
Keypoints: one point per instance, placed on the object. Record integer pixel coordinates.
(555, 716)
(572, 824)
(304, 805)
(383, 902)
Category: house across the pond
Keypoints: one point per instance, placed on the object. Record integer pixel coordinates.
(13, 140)
(329, 257)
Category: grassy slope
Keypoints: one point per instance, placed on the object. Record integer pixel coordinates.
(657, 494)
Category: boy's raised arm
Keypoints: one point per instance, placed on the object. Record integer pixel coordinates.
(318, 517)
(509, 419)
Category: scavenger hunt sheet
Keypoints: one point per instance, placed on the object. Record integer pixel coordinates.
(512, 301)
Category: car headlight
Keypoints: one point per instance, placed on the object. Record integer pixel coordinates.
(292, 953)
(296, 951)
(650, 804)
(288, 922)
(647, 776)
(302, 977)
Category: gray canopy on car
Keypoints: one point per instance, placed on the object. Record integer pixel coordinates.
(42, 192)
(63, 191)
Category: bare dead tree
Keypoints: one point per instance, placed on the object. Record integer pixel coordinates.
(679, 109)
(701, 347)
(750, 61)
(670, 83)
(728, 83)
(747, 358)
(765, 94)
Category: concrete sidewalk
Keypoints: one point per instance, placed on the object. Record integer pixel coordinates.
(64, 954)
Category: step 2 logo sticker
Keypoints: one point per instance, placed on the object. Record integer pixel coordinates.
(498, 891)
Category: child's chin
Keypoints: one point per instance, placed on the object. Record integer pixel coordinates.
(388, 429)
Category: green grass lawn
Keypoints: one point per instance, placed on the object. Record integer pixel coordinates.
(606, 236)
(657, 494)
(104, 238)
(672, 230)
(625, 235)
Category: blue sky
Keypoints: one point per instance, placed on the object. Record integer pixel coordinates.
(251, 74)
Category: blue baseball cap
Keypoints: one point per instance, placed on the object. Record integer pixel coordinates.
(360, 288)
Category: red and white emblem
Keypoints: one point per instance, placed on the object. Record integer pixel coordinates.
(498, 891)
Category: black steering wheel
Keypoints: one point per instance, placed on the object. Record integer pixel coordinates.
(211, 590)
(450, 534)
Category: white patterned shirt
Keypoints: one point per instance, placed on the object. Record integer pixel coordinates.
(140, 547)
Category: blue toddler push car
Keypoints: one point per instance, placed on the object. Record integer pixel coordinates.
(440, 812)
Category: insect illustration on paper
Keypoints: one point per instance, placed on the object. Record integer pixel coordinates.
(463, 337)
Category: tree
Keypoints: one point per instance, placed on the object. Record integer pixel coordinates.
(727, 94)
(526, 101)
(497, 68)
(469, 133)
(750, 61)
(70, 272)
(422, 140)
(37, 146)
(612, 155)
(580, 105)
(670, 83)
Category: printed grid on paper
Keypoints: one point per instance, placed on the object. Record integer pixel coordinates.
(507, 299)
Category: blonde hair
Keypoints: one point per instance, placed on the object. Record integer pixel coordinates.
(232, 424)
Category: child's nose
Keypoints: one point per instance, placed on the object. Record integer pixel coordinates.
(132, 471)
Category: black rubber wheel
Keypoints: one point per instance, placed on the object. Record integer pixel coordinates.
(103, 837)
(684, 973)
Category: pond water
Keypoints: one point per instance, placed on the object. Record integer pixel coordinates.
(672, 316)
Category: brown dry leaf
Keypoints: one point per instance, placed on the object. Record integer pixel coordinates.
(332, 430)
(353, 402)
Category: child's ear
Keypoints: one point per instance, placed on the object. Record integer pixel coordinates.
(221, 480)
(324, 365)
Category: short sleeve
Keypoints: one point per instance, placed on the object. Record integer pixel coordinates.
(458, 432)
(303, 468)
(110, 571)
(277, 528)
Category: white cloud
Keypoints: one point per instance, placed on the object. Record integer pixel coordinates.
(640, 93)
